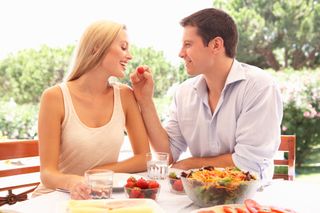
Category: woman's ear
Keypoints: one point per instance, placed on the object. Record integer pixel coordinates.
(216, 44)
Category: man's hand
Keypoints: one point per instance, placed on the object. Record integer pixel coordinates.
(183, 164)
(142, 84)
(224, 160)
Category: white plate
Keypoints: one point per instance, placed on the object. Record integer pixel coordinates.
(113, 203)
(120, 179)
(219, 208)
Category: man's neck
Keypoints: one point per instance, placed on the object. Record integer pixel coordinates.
(217, 77)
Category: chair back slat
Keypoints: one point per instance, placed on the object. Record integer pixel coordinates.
(21, 176)
(287, 145)
(18, 149)
(19, 171)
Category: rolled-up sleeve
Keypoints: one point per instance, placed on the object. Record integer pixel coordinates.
(258, 130)
(177, 142)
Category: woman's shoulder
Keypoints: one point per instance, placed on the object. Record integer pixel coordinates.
(52, 93)
(124, 89)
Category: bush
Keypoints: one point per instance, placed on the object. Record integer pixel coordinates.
(18, 121)
(301, 97)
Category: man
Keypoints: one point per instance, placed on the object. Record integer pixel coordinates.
(228, 114)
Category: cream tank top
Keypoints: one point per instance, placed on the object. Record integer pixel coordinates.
(83, 147)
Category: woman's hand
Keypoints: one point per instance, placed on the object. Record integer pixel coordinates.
(80, 191)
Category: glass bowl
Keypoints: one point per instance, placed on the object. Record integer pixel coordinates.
(176, 185)
(137, 192)
(224, 190)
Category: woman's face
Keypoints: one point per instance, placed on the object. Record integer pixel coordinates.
(118, 56)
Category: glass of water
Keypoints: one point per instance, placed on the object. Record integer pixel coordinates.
(157, 165)
(100, 181)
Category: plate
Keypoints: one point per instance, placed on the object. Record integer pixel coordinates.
(218, 208)
(120, 179)
(113, 205)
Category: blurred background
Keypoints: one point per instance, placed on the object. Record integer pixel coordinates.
(37, 39)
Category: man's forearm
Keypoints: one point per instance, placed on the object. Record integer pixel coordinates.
(157, 134)
(198, 162)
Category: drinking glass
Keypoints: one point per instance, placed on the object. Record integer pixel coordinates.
(100, 181)
(157, 165)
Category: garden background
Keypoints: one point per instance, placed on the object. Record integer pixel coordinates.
(282, 37)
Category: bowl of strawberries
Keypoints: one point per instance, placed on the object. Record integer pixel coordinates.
(141, 188)
(175, 182)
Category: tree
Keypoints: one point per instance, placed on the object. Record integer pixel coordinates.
(277, 34)
(164, 73)
(25, 75)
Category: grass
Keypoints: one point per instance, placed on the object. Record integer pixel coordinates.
(308, 173)
(315, 178)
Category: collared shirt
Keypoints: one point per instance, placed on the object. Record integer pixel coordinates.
(246, 121)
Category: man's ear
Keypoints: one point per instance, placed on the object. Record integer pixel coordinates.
(216, 44)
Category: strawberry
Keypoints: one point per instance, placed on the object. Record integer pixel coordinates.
(177, 185)
(135, 192)
(130, 184)
(153, 184)
(132, 179)
(140, 70)
(142, 183)
(141, 195)
(153, 196)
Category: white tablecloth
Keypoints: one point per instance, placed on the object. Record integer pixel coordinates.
(300, 196)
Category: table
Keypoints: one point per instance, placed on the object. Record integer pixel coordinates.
(300, 196)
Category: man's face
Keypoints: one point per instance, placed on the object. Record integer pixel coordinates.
(196, 55)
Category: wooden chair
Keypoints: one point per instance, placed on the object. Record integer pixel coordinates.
(287, 145)
(18, 178)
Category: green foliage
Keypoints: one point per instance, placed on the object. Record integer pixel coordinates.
(276, 34)
(18, 121)
(25, 75)
(163, 72)
(301, 96)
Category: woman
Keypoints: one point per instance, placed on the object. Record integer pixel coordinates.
(82, 120)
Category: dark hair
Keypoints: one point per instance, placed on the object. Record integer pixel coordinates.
(212, 23)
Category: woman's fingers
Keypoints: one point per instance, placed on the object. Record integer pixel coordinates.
(80, 192)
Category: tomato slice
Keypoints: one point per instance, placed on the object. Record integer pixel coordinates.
(275, 209)
(228, 209)
(252, 205)
(264, 210)
(240, 210)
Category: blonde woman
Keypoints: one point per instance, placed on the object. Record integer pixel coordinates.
(82, 120)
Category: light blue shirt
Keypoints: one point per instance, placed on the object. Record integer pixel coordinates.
(246, 121)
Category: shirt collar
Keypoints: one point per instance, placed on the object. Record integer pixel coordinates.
(237, 73)
(200, 86)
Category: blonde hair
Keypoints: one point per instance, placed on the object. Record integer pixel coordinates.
(93, 46)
